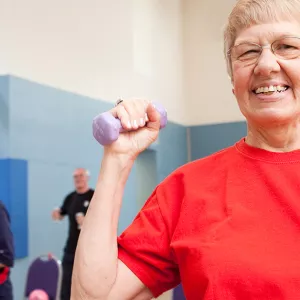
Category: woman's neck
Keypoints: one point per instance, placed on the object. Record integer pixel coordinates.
(279, 138)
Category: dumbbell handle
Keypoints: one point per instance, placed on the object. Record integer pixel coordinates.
(107, 128)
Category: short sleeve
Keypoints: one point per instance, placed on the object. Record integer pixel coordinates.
(145, 248)
(64, 207)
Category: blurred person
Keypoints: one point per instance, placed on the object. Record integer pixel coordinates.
(6, 254)
(75, 206)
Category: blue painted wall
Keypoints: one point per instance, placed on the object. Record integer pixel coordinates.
(4, 116)
(172, 149)
(207, 139)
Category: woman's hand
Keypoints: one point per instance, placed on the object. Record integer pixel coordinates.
(141, 123)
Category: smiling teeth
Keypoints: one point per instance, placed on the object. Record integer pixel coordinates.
(271, 88)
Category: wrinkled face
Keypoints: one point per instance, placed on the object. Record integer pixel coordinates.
(80, 178)
(268, 90)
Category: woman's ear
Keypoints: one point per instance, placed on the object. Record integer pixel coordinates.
(232, 83)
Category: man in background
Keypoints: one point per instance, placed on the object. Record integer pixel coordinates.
(75, 206)
(6, 254)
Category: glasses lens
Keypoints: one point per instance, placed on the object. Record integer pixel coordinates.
(246, 52)
(287, 48)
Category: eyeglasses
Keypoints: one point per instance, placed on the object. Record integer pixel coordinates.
(249, 53)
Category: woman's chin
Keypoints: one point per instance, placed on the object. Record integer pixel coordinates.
(270, 116)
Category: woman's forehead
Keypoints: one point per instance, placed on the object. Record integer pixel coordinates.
(265, 33)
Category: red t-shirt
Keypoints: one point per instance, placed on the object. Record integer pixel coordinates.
(226, 226)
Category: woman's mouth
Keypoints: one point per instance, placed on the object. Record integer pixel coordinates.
(270, 90)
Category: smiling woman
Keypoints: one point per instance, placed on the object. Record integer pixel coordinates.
(265, 78)
(225, 226)
(262, 48)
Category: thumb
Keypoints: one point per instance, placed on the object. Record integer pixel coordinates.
(153, 116)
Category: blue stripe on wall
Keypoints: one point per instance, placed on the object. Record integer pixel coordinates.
(207, 139)
(13, 192)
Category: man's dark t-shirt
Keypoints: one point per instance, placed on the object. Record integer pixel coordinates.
(75, 203)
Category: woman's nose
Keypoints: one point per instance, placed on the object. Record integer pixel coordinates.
(267, 63)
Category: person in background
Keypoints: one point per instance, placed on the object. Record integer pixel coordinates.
(75, 206)
(6, 254)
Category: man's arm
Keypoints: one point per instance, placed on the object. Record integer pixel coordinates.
(79, 218)
(56, 214)
(59, 213)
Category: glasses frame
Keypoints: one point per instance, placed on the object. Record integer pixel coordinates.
(262, 47)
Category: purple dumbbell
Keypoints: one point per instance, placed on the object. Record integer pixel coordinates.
(106, 128)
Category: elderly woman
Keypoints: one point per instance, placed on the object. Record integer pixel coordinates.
(227, 226)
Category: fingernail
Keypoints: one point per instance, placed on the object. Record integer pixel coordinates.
(128, 124)
(135, 124)
(142, 121)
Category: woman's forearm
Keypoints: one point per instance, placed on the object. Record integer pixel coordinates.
(95, 266)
